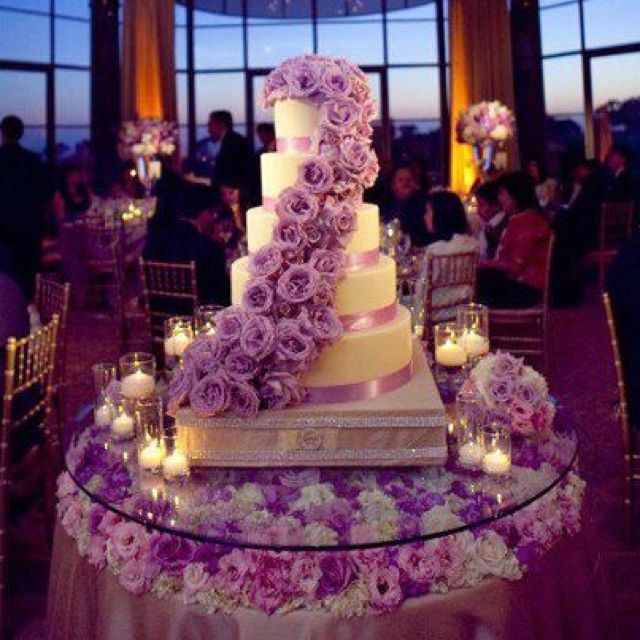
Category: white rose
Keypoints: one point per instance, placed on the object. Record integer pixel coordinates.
(247, 497)
(314, 494)
(439, 518)
(493, 557)
(318, 534)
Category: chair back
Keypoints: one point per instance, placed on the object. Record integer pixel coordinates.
(27, 395)
(169, 289)
(616, 224)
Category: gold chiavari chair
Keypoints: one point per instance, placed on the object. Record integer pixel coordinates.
(450, 282)
(169, 289)
(524, 332)
(616, 226)
(631, 457)
(52, 298)
(26, 404)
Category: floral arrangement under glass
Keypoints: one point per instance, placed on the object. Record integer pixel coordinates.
(486, 122)
(261, 348)
(147, 137)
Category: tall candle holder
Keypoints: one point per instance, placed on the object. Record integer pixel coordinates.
(104, 377)
(471, 450)
(473, 328)
(496, 440)
(137, 375)
(176, 464)
(178, 335)
(123, 425)
(205, 319)
(447, 350)
(150, 426)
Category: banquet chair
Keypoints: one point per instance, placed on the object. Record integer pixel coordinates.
(631, 457)
(524, 332)
(616, 226)
(449, 281)
(168, 289)
(29, 365)
(52, 298)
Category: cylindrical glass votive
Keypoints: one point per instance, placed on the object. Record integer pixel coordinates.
(137, 375)
(176, 465)
(178, 335)
(447, 350)
(205, 318)
(104, 373)
(473, 328)
(469, 418)
(496, 439)
(123, 426)
(151, 453)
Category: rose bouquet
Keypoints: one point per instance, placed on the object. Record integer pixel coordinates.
(512, 392)
(486, 123)
(147, 137)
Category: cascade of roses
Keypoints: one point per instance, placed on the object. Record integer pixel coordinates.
(262, 347)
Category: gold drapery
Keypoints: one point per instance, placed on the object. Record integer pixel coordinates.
(481, 69)
(148, 68)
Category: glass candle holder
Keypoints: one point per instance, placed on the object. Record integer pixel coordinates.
(447, 350)
(468, 421)
(473, 327)
(178, 335)
(496, 440)
(176, 464)
(104, 374)
(151, 453)
(149, 418)
(123, 425)
(137, 375)
(104, 411)
(205, 318)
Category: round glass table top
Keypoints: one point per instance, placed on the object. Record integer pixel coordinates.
(315, 508)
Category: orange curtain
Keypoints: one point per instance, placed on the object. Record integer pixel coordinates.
(148, 70)
(481, 69)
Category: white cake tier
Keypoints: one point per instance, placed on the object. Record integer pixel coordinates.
(260, 223)
(362, 290)
(361, 356)
(295, 118)
(279, 171)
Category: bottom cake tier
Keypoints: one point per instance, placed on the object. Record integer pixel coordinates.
(405, 427)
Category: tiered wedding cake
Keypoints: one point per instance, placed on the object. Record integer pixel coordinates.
(314, 328)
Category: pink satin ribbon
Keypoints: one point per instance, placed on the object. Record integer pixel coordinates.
(269, 203)
(299, 144)
(363, 259)
(369, 319)
(359, 390)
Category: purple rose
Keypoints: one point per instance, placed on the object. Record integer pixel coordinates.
(181, 383)
(241, 366)
(298, 284)
(258, 337)
(340, 219)
(335, 82)
(328, 262)
(288, 235)
(244, 399)
(297, 203)
(302, 78)
(292, 344)
(325, 323)
(329, 144)
(337, 574)
(280, 389)
(355, 154)
(173, 553)
(210, 396)
(504, 365)
(229, 323)
(316, 235)
(266, 261)
(258, 296)
(204, 355)
(371, 170)
(528, 393)
(316, 175)
(368, 112)
(340, 114)
(325, 295)
(500, 389)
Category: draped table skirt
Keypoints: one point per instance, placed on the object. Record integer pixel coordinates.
(559, 601)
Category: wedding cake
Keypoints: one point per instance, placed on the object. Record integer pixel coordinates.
(314, 327)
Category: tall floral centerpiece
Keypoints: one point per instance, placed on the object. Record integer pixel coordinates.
(144, 141)
(487, 127)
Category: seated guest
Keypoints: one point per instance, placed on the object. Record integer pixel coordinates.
(446, 222)
(494, 219)
(72, 198)
(547, 190)
(516, 276)
(188, 239)
(622, 283)
(620, 187)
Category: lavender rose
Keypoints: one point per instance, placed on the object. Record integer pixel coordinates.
(279, 389)
(327, 262)
(244, 399)
(340, 114)
(229, 323)
(337, 574)
(355, 154)
(205, 354)
(316, 235)
(210, 396)
(258, 296)
(325, 323)
(325, 295)
(241, 366)
(335, 82)
(504, 365)
(298, 284)
(297, 203)
(500, 389)
(302, 78)
(316, 175)
(181, 383)
(258, 337)
(340, 219)
(288, 234)
(266, 262)
(292, 345)
(173, 553)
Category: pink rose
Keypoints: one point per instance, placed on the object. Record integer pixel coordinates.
(384, 587)
(233, 569)
(127, 541)
(419, 564)
(267, 589)
(196, 578)
(520, 413)
(305, 574)
(132, 577)
(96, 551)
(72, 518)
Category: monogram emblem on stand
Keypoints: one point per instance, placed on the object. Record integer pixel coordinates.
(310, 439)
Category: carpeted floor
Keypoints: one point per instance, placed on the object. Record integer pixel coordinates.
(582, 378)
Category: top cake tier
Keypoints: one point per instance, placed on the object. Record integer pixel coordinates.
(295, 121)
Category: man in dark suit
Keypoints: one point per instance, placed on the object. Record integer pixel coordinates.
(224, 155)
(494, 219)
(188, 239)
(621, 186)
(22, 197)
